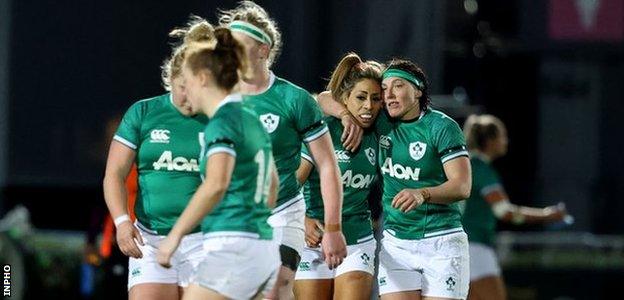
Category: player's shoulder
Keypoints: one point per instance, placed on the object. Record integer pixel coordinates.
(438, 122)
(229, 117)
(476, 161)
(289, 89)
(439, 118)
(149, 104)
(479, 165)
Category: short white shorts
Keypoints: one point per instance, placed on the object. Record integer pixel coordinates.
(483, 261)
(184, 260)
(238, 267)
(287, 222)
(438, 266)
(360, 257)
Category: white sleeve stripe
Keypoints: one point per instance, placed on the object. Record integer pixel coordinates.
(490, 188)
(125, 142)
(455, 155)
(216, 150)
(308, 158)
(316, 135)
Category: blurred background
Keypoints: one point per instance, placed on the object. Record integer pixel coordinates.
(552, 70)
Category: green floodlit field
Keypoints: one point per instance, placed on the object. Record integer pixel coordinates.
(52, 259)
(564, 250)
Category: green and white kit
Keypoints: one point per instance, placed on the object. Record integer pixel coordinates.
(359, 171)
(243, 211)
(167, 144)
(411, 156)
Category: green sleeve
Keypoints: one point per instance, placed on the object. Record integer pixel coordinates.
(308, 117)
(449, 140)
(129, 130)
(221, 137)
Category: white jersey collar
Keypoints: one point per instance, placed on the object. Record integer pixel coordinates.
(229, 99)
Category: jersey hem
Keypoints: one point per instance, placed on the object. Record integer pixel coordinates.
(288, 203)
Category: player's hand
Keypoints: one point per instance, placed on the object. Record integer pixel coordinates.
(334, 248)
(166, 249)
(352, 133)
(408, 199)
(556, 213)
(313, 232)
(127, 238)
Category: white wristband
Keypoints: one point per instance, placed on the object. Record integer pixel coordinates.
(121, 219)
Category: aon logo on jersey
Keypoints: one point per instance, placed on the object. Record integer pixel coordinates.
(399, 171)
(166, 161)
(357, 181)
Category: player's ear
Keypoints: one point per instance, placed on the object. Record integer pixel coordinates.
(265, 51)
(417, 93)
(205, 78)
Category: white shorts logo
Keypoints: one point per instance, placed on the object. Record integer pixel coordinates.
(270, 122)
(450, 283)
(159, 136)
(417, 150)
(371, 155)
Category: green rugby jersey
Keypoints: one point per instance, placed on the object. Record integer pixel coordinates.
(291, 116)
(411, 155)
(478, 219)
(359, 171)
(167, 145)
(235, 130)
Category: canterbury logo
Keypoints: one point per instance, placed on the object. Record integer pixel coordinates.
(385, 141)
(159, 136)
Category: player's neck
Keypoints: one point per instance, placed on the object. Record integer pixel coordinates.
(214, 97)
(412, 113)
(257, 83)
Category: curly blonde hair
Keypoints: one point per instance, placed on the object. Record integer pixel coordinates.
(254, 14)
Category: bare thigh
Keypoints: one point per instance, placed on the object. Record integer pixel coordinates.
(312, 289)
(407, 295)
(487, 288)
(154, 291)
(353, 285)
